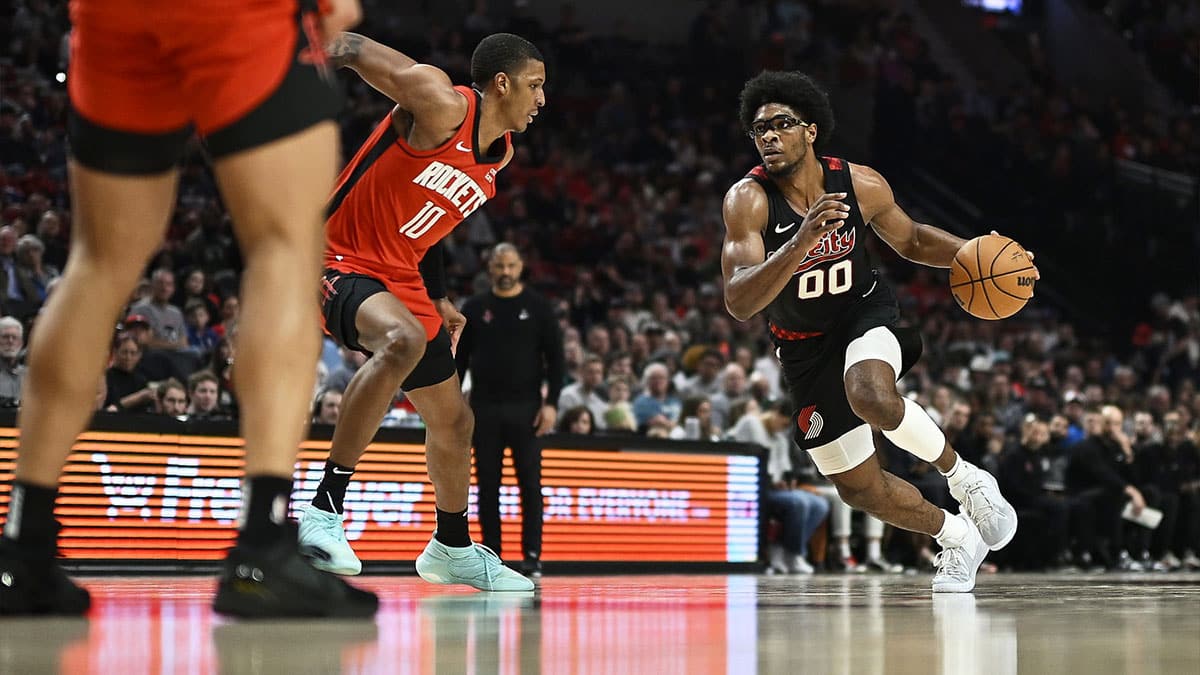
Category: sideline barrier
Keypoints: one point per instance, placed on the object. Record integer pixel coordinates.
(155, 493)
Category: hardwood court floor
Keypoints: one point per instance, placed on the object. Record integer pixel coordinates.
(644, 624)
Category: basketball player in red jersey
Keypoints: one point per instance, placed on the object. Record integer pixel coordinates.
(429, 164)
(795, 248)
(144, 76)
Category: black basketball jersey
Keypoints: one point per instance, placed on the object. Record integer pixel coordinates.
(835, 275)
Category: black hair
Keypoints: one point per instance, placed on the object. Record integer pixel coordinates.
(790, 88)
(500, 53)
(570, 416)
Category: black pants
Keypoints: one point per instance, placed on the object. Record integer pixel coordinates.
(1044, 532)
(1161, 539)
(1097, 525)
(1187, 534)
(509, 425)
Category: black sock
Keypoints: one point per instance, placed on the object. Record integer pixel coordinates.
(452, 529)
(332, 490)
(31, 515)
(264, 510)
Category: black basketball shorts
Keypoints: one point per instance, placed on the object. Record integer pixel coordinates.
(342, 294)
(814, 371)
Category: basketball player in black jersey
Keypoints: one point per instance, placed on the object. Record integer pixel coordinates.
(795, 247)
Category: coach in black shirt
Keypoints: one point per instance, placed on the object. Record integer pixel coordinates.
(511, 344)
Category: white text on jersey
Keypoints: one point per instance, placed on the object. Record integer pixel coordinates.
(454, 185)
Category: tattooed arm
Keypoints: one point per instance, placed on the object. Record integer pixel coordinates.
(423, 90)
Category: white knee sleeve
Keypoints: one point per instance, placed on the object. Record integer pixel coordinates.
(851, 449)
(879, 344)
(917, 433)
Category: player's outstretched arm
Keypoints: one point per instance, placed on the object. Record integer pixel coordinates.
(422, 89)
(752, 279)
(914, 241)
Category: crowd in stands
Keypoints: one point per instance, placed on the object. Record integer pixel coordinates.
(1043, 162)
(614, 199)
(1166, 33)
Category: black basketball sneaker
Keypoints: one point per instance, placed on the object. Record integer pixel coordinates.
(275, 581)
(33, 583)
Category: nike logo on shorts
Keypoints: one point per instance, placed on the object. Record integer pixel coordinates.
(781, 229)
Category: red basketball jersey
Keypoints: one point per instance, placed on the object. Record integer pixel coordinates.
(392, 202)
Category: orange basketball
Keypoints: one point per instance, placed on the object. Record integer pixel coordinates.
(991, 277)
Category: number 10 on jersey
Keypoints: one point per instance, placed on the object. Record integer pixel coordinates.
(421, 223)
(812, 283)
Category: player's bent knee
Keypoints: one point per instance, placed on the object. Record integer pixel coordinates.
(456, 427)
(875, 404)
(464, 424)
(403, 344)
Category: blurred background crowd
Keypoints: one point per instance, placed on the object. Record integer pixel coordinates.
(1085, 398)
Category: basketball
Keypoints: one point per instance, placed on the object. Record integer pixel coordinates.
(991, 277)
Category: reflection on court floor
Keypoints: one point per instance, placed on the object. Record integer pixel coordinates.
(643, 624)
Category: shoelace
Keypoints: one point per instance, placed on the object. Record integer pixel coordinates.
(952, 562)
(490, 561)
(332, 525)
(977, 492)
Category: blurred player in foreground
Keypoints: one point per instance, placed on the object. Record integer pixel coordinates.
(250, 78)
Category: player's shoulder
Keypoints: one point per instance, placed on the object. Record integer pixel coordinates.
(745, 200)
(745, 187)
(746, 192)
(435, 101)
(866, 178)
(870, 188)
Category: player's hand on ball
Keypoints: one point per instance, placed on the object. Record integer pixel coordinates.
(828, 213)
(1036, 274)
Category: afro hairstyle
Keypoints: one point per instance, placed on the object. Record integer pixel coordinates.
(793, 89)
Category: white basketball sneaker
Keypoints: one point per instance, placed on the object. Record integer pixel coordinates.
(957, 565)
(323, 541)
(979, 494)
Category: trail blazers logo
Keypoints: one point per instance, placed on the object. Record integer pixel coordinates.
(810, 422)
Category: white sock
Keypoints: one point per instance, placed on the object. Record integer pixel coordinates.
(844, 548)
(959, 474)
(873, 550)
(953, 472)
(954, 531)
